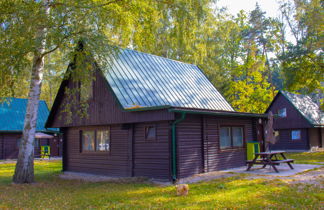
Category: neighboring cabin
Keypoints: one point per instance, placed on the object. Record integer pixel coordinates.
(154, 117)
(299, 120)
(12, 116)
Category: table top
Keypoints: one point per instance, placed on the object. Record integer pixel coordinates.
(270, 152)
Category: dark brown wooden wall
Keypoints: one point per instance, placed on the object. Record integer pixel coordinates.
(104, 109)
(293, 120)
(1, 147)
(9, 148)
(152, 157)
(314, 136)
(220, 159)
(198, 144)
(127, 157)
(9, 145)
(285, 142)
(114, 163)
(189, 146)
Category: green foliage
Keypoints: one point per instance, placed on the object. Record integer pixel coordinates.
(247, 56)
(302, 61)
(250, 91)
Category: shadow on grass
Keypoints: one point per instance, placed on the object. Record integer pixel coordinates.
(234, 192)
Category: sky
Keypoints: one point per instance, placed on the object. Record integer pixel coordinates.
(271, 7)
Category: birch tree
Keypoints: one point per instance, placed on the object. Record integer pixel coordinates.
(32, 30)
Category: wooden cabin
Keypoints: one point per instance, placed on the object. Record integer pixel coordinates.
(299, 121)
(154, 117)
(12, 116)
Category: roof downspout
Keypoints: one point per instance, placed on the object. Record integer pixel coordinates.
(174, 145)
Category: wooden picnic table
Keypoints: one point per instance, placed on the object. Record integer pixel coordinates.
(272, 158)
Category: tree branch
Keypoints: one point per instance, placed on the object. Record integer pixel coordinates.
(84, 7)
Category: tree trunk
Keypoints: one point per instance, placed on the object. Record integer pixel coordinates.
(24, 172)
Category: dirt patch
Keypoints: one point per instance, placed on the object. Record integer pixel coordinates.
(205, 177)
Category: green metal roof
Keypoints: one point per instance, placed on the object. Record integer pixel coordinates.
(12, 115)
(141, 80)
(306, 106)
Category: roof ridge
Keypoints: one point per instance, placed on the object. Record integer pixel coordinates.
(159, 56)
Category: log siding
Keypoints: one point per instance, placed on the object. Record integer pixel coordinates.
(198, 144)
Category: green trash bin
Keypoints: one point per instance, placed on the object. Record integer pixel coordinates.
(45, 151)
(252, 148)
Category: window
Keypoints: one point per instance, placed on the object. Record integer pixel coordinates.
(150, 132)
(95, 140)
(103, 140)
(237, 133)
(282, 112)
(88, 141)
(231, 137)
(295, 135)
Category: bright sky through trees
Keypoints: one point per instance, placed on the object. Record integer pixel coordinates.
(234, 6)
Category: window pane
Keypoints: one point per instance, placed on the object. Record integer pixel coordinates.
(282, 112)
(88, 142)
(237, 133)
(150, 132)
(225, 137)
(103, 140)
(295, 135)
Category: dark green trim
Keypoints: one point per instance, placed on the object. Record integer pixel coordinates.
(174, 145)
(146, 108)
(233, 114)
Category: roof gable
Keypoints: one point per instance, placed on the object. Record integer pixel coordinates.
(306, 106)
(144, 80)
(12, 115)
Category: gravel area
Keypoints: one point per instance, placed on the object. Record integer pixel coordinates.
(315, 177)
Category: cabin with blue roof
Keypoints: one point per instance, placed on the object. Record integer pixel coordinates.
(150, 116)
(12, 116)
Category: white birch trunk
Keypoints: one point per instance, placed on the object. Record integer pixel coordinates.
(24, 172)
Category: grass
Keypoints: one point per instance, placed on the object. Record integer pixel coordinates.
(308, 157)
(51, 192)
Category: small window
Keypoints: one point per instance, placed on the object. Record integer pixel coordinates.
(150, 132)
(295, 135)
(103, 140)
(88, 140)
(231, 137)
(282, 112)
(225, 137)
(237, 133)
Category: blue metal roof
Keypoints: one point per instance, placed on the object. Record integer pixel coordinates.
(145, 80)
(12, 115)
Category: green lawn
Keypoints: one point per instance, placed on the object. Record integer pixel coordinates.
(308, 157)
(50, 192)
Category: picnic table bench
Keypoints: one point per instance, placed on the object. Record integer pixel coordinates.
(270, 158)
